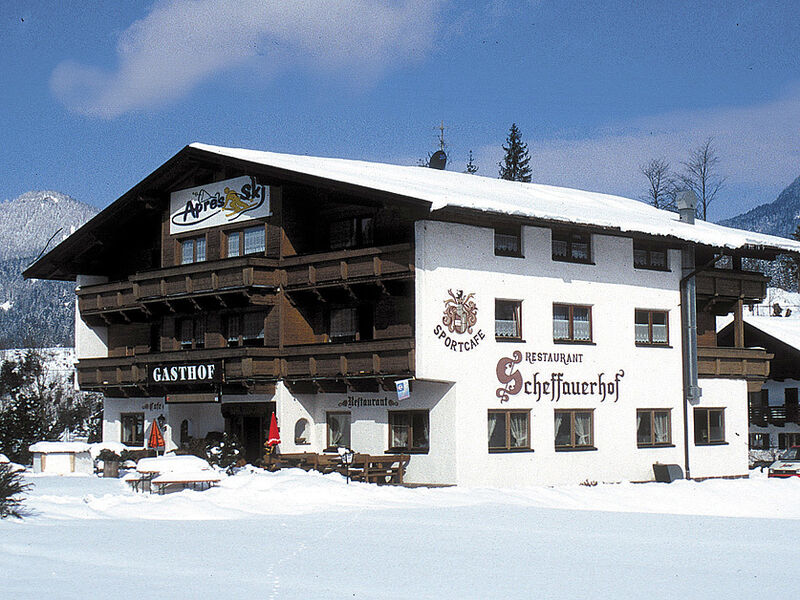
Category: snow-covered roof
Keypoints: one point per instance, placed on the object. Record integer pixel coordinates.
(786, 330)
(53, 447)
(448, 189)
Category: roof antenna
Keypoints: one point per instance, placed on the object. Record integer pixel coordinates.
(438, 159)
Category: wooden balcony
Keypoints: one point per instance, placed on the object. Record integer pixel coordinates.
(774, 415)
(243, 367)
(349, 268)
(751, 364)
(213, 284)
(724, 287)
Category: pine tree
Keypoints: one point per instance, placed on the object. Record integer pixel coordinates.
(11, 489)
(472, 168)
(515, 163)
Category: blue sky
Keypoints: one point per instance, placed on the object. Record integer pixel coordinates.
(97, 94)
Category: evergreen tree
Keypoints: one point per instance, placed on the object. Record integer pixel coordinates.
(11, 489)
(515, 163)
(472, 168)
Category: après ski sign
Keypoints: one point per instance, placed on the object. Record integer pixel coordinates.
(220, 203)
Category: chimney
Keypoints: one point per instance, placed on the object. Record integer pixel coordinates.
(687, 204)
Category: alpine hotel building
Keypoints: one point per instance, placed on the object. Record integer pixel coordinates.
(550, 335)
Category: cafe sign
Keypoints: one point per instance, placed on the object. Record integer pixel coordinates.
(219, 203)
(185, 373)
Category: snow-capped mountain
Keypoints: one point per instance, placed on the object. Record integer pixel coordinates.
(36, 313)
(780, 217)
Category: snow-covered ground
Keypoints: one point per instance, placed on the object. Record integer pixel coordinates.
(298, 535)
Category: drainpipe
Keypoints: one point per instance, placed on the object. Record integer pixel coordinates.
(687, 202)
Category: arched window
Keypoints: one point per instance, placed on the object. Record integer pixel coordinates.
(185, 431)
(302, 432)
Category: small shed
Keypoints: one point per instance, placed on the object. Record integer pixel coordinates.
(61, 458)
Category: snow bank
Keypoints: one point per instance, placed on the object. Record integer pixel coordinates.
(254, 492)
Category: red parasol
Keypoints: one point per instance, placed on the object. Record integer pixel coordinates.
(156, 440)
(274, 434)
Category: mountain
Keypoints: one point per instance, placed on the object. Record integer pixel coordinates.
(776, 218)
(34, 312)
(780, 218)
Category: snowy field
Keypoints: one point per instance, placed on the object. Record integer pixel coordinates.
(297, 535)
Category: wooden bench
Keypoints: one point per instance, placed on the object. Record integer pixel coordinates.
(201, 479)
(365, 467)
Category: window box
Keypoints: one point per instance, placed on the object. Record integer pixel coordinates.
(709, 426)
(508, 320)
(574, 430)
(572, 323)
(509, 430)
(653, 427)
(651, 327)
(409, 431)
(572, 246)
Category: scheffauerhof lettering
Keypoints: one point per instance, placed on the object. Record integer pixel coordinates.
(186, 373)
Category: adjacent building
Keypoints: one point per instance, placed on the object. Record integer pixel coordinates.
(549, 335)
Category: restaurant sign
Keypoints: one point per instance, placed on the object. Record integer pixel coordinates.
(185, 373)
(219, 203)
(556, 385)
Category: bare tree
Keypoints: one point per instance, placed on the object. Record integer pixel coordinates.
(701, 175)
(662, 189)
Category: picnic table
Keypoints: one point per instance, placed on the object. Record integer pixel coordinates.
(158, 473)
(385, 468)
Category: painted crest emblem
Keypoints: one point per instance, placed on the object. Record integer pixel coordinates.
(460, 312)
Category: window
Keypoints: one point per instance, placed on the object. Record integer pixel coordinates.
(574, 429)
(351, 233)
(649, 256)
(192, 333)
(409, 431)
(507, 241)
(248, 241)
(653, 427)
(508, 319)
(133, 429)
(338, 426)
(651, 327)
(759, 441)
(787, 440)
(572, 323)
(509, 430)
(571, 246)
(233, 329)
(253, 329)
(302, 432)
(709, 426)
(193, 250)
(234, 244)
(343, 326)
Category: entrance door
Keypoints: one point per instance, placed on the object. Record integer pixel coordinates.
(249, 422)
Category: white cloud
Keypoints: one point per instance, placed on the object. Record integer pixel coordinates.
(180, 43)
(758, 147)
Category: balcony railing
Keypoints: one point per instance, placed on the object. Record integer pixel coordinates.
(731, 285)
(349, 266)
(197, 280)
(221, 278)
(774, 415)
(372, 359)
(733, 363)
